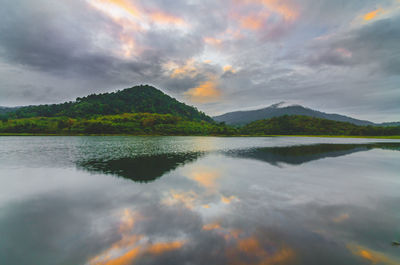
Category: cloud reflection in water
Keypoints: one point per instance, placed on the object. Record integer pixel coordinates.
(214, 207)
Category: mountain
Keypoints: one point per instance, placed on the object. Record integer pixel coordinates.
(389, 124)
(282, 108)
(137, 99)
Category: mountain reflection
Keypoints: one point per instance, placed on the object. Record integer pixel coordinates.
(145, 168)
(296, 155)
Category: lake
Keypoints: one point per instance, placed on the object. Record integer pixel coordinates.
(120, 200)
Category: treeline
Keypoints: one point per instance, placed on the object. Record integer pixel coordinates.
(167, 124)
(127, 123)
(304, 125)
(137, 99)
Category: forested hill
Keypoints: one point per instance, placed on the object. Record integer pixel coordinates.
(137, 99)
(304, 125)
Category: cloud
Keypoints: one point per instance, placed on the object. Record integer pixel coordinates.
(186, 199)
(211, 226)
(213, 41)
(341, 218)
(250, 251)
(188, 69)
(286, 9)
(127, 224)
(228, 68)
(372, 14)
(229, 199)
(205, 177)
(362, 46)
(132, 246)
(206, 92)
(277, 49)
(136, 14)
(375, 257)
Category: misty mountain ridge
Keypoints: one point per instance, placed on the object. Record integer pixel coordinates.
(286, 108)
(4, 110)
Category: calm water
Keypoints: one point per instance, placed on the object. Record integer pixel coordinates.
(198, 200)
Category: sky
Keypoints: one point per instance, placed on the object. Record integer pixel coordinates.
(339, 56)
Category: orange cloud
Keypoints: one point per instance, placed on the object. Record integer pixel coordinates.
(372, 14)
(288, 11)
(228, 68)
(250, 251)
(164, 18)
(132, 10)
(186, 70)
(180, 197)
(250, 245)
(159, 248)
(211, 226)
(129, 47)
(251, 22)
(125, 5)
(131, 246)
(206, 92)
(111, 256)
(375, 257)
(212, 41)
(228, 200)
(205, 177)
(116, 8)
(127, 221)
(125, 259)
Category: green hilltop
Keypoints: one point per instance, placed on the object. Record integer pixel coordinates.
(137, 99)
(305, 125)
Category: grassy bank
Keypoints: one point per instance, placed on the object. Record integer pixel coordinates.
(333, 136)
(216, 135)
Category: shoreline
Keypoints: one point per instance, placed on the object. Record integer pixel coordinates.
(321, 136)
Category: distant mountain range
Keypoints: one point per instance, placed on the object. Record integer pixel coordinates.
(282, 108)
(148, 99)
(145, 110)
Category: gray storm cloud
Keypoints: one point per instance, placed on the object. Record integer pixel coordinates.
(337, 56)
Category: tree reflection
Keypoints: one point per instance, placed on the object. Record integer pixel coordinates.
(296, 155)
(145, 168)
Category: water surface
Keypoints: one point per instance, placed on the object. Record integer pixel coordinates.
(199, 200)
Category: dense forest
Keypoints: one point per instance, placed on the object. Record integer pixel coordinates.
(127, 123)
(304, 125)
(137, 99)
(167, 124)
